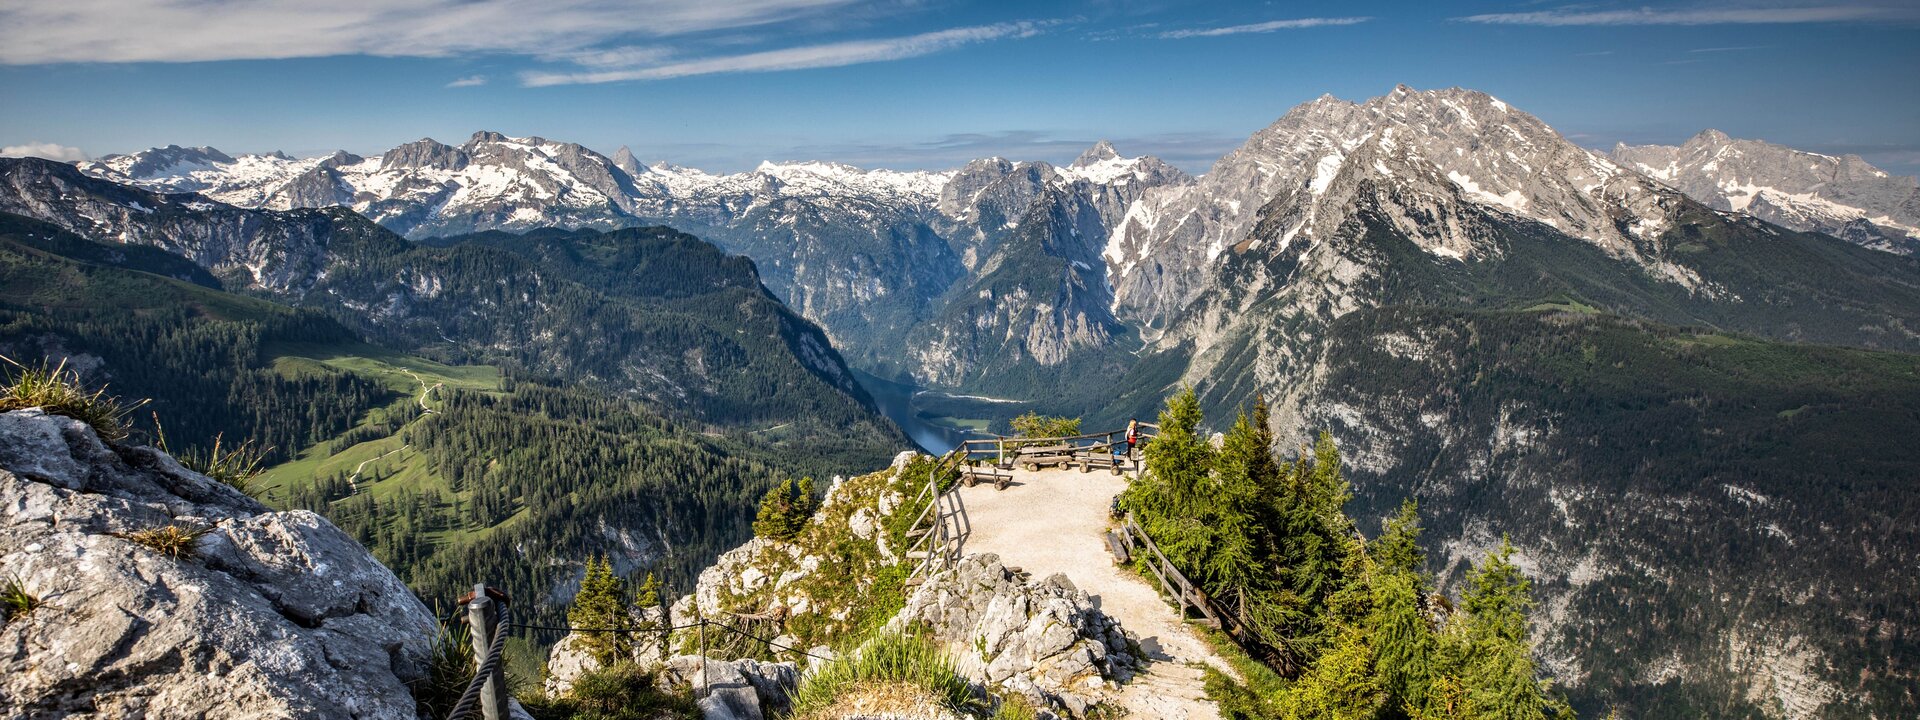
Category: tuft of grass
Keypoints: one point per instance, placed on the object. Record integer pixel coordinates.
(15, 601)
(235, 465)
(449, 669)
(60, 391)
(889, 658)
(1015, 707)
(175, 541)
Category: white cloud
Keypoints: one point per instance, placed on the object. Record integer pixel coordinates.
(1702, 16)
(468, 81)
(50, 151)
(798, 58)
(1265, 27)
(197, 30)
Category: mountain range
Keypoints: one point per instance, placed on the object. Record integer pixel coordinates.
(1662, 370)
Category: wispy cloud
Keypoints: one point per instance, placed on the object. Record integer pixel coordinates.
(1264, 27)
(838, 54)
(1700, 16)
(50, 151)
(468, 81)
(198, 30)
(1729, 49)
(1596, 53)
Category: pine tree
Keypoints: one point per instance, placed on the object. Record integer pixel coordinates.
(601, 605)
(1341, 685)
(1497, 668)
(1398, 548)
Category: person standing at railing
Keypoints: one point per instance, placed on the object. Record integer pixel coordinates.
(1133, 435)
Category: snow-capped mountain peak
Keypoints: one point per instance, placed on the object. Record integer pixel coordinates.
(1842, 196)
(1432, 158)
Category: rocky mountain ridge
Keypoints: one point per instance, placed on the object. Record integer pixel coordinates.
(1841, 196)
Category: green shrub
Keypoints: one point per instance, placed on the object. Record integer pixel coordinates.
(59, 391)
(1014, 707)
(785, 510)
(888, 658)
(621, 691)
(15, 601)
(1035, 425)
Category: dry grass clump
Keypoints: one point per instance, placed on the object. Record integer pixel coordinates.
(175, 541)
(59, 390)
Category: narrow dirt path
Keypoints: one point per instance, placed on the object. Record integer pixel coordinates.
(1052, 521)
(353, 482)
(424, 390)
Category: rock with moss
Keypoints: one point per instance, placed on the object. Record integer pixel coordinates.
(268, 614)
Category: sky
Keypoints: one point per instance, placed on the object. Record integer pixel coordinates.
(926, 84)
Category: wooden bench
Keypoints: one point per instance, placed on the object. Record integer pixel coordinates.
(1100, 456)
(1121, 553)
(1034, 457)
(972, 475)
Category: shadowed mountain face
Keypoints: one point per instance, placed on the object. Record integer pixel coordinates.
(1667, 371)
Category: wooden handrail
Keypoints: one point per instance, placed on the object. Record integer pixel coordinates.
(1176, 585)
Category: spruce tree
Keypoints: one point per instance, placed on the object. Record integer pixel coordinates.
(601, 605)
(1497, 669)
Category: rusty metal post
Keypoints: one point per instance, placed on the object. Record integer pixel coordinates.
(483, 617)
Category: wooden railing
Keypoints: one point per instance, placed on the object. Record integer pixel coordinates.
(1001, 449)
(942, 526)
(1183, 592)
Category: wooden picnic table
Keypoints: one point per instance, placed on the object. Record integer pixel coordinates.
(1034, 457)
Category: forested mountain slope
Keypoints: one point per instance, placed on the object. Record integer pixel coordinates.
(697, 336)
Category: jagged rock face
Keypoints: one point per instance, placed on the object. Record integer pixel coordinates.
(1044, 639)
(1437, 151)
(1841, 196)
(279, 615)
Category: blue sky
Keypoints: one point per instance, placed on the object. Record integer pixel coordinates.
(930, 83)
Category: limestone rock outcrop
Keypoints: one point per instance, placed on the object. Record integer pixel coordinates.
(1043, 639)
(270, 615)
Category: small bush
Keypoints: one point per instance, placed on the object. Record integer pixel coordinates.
(174, 541)
(59, 391)
(449, 669)
(1015, 707)
(621, 691)
(785, 510)
(15, 601)
(889, 658)
(1035, 425)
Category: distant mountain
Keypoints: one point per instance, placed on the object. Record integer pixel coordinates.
(1842, 196)
(688, 328)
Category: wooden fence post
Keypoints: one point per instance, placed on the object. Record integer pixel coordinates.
(483, 618)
